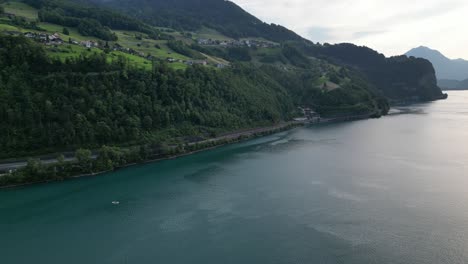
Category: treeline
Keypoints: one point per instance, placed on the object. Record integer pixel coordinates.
(108, 158)
(22, 22)
(181, 48)
(285, 54)
(231, 54)
(90, 20)
(85, 26)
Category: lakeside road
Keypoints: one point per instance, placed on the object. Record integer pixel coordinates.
(5, 167)
(13, 164)
(20, 163)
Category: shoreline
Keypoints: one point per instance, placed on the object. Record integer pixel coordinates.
(226, 139)
(234, 137)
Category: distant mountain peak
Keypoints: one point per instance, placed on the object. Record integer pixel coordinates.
(445, 67)
(426, 53)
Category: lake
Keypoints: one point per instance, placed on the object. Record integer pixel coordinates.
(389, 190)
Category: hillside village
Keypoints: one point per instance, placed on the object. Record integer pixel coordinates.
(206, 47)
(237, 43)
(57, 39)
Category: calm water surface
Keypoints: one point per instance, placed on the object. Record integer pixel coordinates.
(393, 190)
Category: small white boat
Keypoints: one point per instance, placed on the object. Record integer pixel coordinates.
(115, 202)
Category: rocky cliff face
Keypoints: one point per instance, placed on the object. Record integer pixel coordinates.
(399, 78)
(408, 78)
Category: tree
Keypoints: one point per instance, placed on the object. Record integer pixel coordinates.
(34, 169)
(84, 159)
(60, 168)
(65, 31)
(2, 10)
(61, 160)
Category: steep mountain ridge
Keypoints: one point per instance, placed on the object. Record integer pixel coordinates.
(190, 15)
(399, 78)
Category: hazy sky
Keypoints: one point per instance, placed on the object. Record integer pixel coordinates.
(389, 26)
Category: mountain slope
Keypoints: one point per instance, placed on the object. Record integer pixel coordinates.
(445, 68)
(399, 78)
(93, 18)
(453, 84)
(231, 20)
(192, 15)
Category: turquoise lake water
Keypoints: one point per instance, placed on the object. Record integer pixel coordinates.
(389, 190)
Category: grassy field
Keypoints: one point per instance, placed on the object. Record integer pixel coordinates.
(74, 34)
(69, 51)
(4, 27)
(207, 33)
(72, 51)
(215, 59)
(127, 39)
(21, 9)
(148, 46)
(136, 61)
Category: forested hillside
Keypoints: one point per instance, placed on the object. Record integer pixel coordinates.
(76, 74)
(90, 20)
(191, 15)
(47, 104)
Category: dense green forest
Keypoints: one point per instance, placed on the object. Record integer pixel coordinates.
(47, 104)
(191, 15)
(90, 20)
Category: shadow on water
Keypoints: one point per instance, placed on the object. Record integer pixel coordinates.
(406, 111)
(203, 175)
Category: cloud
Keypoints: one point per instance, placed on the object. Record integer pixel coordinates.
(392, 27)
(362, 34)
(319, 34)
(422, 13)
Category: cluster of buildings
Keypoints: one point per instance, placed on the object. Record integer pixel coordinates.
(237, 43)
(197, 62)
(118, 47)
(56, 39)
(44, 38)
(47, 39)
(309, 115)
(87, 43)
